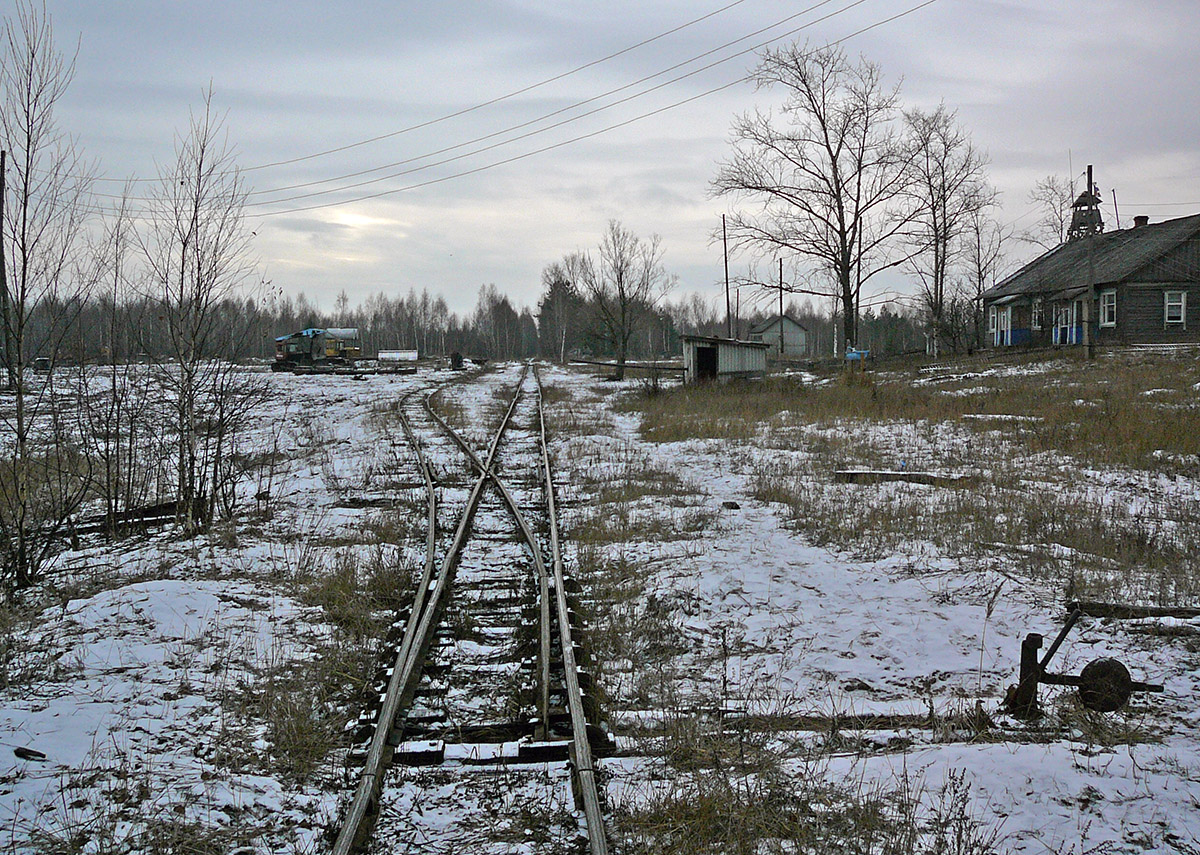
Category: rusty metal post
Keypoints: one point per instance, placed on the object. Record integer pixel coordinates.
(1072, 619)
(1023, 702)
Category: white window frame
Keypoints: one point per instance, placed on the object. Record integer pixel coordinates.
(992, 320)
(1173, 299)
(1037, 313)
(1108, 308)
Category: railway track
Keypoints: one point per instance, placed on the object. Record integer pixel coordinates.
(485, 733)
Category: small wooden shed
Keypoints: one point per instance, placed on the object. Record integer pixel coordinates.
(713, 358)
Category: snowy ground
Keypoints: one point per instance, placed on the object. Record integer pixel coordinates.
(145, 685)
(794, 628)
(141, 681)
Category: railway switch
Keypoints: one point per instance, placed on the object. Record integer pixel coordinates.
(1104, 685)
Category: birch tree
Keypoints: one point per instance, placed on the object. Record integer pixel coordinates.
(44, 192)
(947, 188)
(622, 282)
(1052, 198)
(985, 251)
(197, 254)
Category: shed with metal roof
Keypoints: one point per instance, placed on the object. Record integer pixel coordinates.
(715, 358)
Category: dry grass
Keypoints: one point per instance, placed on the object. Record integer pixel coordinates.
(1117, 411)
(631, 499)
(300, 705)
(136, 814)
(1029, 432)
(633, 633)
(1099, 549)
(713, 411)
(806, 809)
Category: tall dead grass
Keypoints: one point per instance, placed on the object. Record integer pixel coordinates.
(1099, 549)
(803, 808)
(1041, 437)
(1119, 411)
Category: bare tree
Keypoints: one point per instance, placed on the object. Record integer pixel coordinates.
(197, 254)
(829, 183)
(1052, 197)
(984, 256)
(43, 194)
(947, 188)
(118, 418)
(623, 282)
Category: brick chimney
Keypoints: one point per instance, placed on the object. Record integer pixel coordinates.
(1140, 220)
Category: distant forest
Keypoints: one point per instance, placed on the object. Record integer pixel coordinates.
(99, 330)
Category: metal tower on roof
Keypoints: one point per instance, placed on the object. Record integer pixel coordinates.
(1085, 212)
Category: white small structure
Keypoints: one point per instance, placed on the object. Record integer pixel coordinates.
(387, 357)
(713, 358)
(787, 337)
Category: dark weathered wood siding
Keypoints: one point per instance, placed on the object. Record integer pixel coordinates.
(1140, 316)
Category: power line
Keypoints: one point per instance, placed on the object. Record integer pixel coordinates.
(590, 100)
(543, 117)
(592, 134)
(499, 99)
(566, 121)
(581, 137)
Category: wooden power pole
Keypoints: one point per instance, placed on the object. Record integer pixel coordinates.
(728, 315)
(1089, 351)
(781, 309)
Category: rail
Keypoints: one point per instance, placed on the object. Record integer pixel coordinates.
(538, 562)
(406, 666)
(584, 767)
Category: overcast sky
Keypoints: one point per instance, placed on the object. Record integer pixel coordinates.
(1043, 87)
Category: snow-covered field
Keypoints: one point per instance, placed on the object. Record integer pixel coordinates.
(792, 628)
(143, 670)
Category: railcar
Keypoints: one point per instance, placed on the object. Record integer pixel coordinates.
(317, 348)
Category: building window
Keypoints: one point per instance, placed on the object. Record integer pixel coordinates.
(1036, 310)
(1108, 308)
(1175, 308)
(991, 320)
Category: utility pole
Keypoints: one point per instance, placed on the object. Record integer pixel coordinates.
(1088, 348)
(781, 309)
(728, 316)
(738, 312)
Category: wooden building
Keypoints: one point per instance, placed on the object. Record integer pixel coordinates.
(787, 337)
(713, 358)
(1143, 286)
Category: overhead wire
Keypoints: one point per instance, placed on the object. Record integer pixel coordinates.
(595, 133)
(483, 104)
(564, 122)
(589, 135)
(590, 100)
(542, 118)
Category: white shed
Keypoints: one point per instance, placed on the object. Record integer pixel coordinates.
(392, 356)
(713, 358)
(787, 337)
